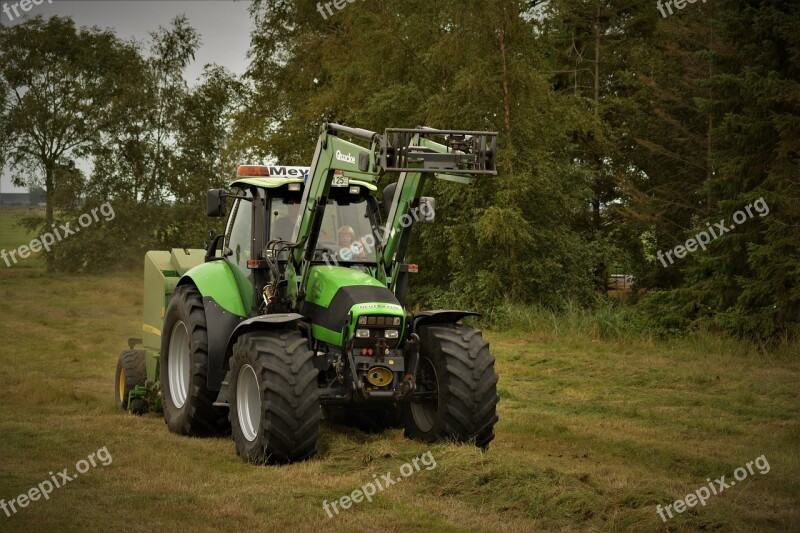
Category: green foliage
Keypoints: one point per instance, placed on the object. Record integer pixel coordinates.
(56, 83)
(509, 237)
(604, 321)
(621, 134)
(155, 144)
(751, 277)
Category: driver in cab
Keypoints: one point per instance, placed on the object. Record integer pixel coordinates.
(350, 249)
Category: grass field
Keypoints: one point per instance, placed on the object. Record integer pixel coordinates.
(12, 235)
(592, 435)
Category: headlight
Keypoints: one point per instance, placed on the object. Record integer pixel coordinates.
(362, 333)
(392, 333)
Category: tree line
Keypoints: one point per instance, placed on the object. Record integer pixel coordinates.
(624, 133)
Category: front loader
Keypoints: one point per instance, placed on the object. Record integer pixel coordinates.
(299, 307)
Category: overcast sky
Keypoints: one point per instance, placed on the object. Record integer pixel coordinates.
(224, 27)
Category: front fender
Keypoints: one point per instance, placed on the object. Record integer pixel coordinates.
(262, 322)
(428, 318)
(257, 323)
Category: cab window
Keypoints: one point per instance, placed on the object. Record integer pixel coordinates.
(239, 239)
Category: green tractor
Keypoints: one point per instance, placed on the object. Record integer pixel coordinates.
(299, 307)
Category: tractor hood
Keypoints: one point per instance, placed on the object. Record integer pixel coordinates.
(334, 292)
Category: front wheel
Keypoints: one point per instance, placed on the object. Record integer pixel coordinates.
(456, 395)
(275, 407)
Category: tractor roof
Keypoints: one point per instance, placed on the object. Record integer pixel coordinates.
(272, 177)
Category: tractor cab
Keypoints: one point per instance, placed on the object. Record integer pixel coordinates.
(263, 222)
(352, 211)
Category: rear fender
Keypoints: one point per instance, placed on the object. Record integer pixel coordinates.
(224, 312)
(216, 280)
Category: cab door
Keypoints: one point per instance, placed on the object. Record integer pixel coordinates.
(239, 244)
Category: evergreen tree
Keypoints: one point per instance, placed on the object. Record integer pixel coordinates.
(750, 280)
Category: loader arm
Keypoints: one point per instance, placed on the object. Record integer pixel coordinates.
(411, 184)
(332, 155)
(411, 153)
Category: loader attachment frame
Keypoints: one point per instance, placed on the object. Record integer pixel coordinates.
(462, 156)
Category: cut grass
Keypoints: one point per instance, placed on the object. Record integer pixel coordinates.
(592, 435)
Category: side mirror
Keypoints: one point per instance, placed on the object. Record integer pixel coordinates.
(427, 209)
(211, 247)
(215, 203)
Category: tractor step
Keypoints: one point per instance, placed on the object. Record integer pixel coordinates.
(222, 398)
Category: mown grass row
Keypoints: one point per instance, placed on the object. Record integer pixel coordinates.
(593, 433)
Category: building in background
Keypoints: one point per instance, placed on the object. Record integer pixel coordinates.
(33, 198)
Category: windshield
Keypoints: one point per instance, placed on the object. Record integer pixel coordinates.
(346, 234)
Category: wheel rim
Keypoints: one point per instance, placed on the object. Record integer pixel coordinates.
(179, 365)
(122, 385)
(248, 402)
(424, 413)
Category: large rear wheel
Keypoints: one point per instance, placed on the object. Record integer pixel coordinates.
(188, 404)
(275, 407)
(456, 394)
